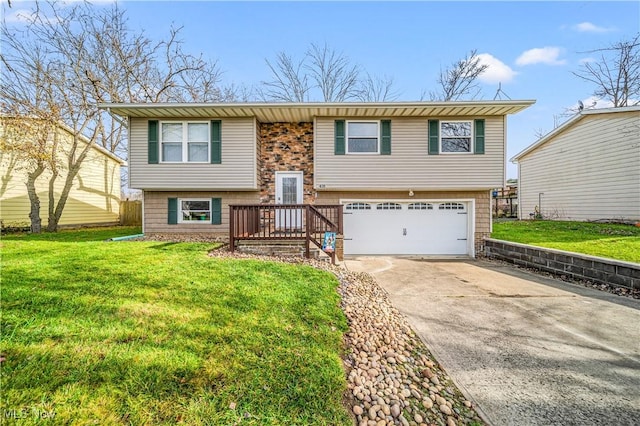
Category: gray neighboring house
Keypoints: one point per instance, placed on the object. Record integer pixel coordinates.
(586, 169)
(412, 177)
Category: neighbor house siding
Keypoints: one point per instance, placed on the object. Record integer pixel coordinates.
(94, 197)
(482, 200)
(156, 211)
(237, 171)
(410, 166)
(590, 171)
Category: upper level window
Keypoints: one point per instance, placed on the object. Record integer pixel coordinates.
(456, 136)
(185, 142)
(362, 137)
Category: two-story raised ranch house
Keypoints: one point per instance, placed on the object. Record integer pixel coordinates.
(414, 178)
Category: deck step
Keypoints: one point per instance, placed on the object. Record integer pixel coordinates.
(279, 248)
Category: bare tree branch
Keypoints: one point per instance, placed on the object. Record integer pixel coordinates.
(290, 83)
(333, 73)
(460, 80)
(616, 74)
(66, 60)
(376, 89)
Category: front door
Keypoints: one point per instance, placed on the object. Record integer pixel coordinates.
(288, 191)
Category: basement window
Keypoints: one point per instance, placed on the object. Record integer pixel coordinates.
(195, 211)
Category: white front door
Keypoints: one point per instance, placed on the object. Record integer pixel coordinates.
(288, 191)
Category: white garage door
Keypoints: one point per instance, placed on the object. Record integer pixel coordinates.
(430, 228)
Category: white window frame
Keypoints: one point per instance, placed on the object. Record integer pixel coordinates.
(180, 211)
(346, 137)
(185, 142)
(471, 137)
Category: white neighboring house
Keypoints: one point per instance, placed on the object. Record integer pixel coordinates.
(586, 169)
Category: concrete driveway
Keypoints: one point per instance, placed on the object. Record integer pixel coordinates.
(526, 350)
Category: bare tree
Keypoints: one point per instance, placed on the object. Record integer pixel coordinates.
(459, 81)
(616, 73)
(290, 83)
(324, 72)
(333, 73)
(65, 61)
(376, 89)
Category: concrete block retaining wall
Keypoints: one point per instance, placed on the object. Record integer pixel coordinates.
(580, 266)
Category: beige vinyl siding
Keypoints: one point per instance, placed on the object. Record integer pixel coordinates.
(156, 212)
(482, 214)
(94, 197)
(237, 171)
(409, 166)
(590, 171)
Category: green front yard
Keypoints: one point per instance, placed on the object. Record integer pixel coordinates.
(159, 333)
(613, 241)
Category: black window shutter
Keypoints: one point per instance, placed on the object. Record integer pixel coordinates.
(173, 211)
(478, 146)
(216, 211)
(216, 142)
(339, 147)
(152, 142)
(385, 145)
(434, 140)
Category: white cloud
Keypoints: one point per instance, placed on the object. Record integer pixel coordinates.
(588, 27)
(497, 71)
(18, 16)
(541, 55)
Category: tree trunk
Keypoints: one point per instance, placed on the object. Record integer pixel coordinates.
(52, 223)
(54, 215)
(34, 213)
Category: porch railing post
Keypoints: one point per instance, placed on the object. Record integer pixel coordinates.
(232, 230)
(307, 252)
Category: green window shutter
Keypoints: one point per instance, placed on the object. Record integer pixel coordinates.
(434, 140)
(216, 142)
(478, 145)
(173, 211)
(339, 147)
(152, 142)
(385, 145)
(216, 211)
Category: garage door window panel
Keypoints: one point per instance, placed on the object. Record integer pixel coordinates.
(420, 206)
(388, 206)
(451, 206)
(358, 206)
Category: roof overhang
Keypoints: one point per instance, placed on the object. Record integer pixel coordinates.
(306, 112)
(569, 123)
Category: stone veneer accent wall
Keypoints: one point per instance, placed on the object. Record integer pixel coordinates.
(285, 147)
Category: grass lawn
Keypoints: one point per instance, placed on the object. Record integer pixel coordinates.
(141, 333)
(613, 241)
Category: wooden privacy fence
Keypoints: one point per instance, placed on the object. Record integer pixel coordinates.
(131, 213)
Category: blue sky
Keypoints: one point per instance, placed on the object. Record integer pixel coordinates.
(531, 47)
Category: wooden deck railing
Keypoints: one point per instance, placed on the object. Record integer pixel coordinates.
(278, 222)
